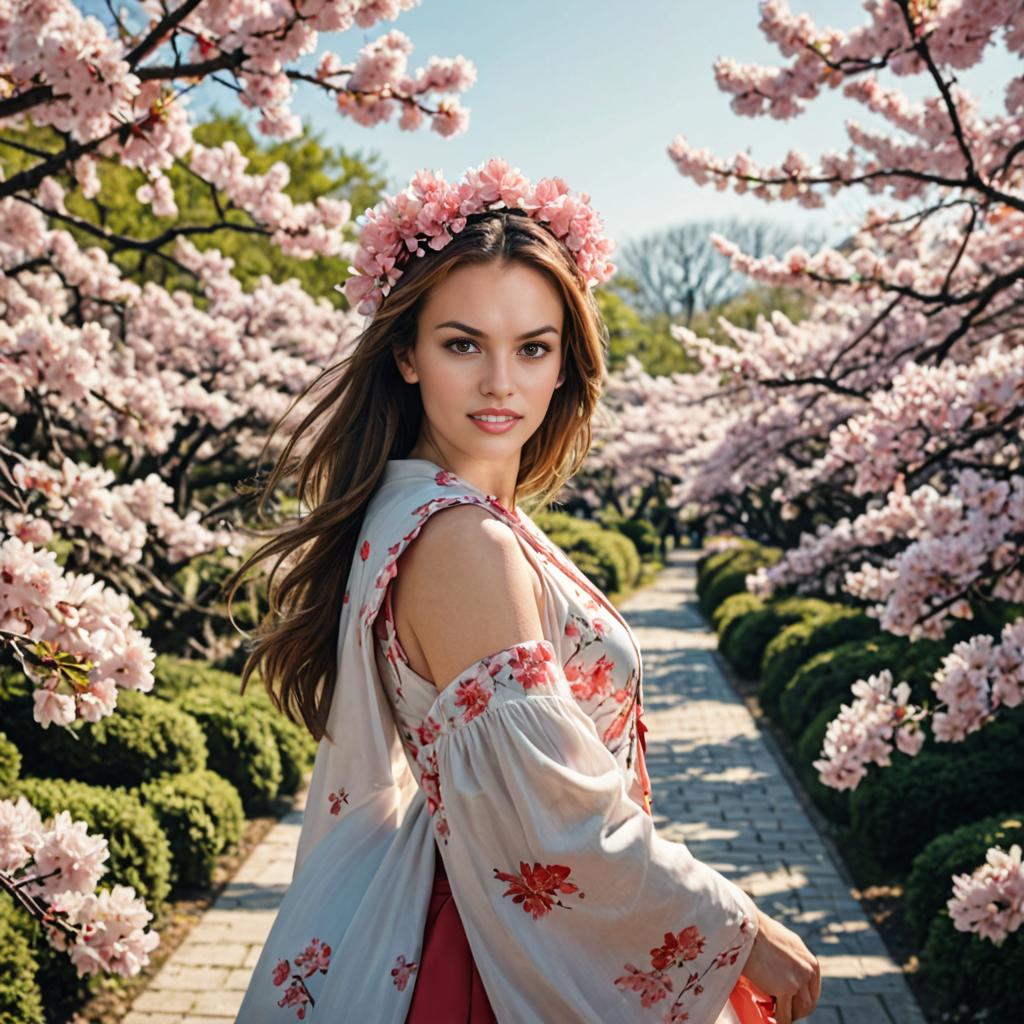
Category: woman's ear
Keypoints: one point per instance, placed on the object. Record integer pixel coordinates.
(406, 367)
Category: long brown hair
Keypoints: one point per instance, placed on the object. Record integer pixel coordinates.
(367, 415)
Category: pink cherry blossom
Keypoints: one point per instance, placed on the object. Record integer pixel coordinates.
(990, 900)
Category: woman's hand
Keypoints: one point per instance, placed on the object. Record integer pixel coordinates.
(782, 966)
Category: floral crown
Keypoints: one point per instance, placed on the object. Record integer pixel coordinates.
(430, 210)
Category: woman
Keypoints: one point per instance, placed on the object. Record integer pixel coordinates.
(477, 843)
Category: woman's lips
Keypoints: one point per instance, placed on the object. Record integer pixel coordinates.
(495, 428)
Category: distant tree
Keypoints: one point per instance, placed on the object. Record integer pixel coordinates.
(679, 272)
(631, 333)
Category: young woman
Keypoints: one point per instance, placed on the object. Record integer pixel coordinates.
(477, 843)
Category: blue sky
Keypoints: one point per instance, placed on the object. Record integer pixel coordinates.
(594, 91)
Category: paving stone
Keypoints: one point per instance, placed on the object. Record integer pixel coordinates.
(226, 1001)
(165, 1001)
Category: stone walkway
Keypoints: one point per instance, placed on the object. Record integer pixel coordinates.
(717, 786)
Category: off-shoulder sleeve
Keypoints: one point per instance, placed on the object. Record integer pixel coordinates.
(574, 907)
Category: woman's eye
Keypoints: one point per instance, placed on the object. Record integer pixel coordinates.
(469, 341)
(538, 345)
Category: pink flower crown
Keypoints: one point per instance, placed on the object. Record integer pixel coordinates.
(430, 210)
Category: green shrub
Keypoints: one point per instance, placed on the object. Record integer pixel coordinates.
(965, 970)
(202, 816)
(708, 565)
(744, 645)
(930, 884)
(800, 641)
(241, 743)
(21, 1001)
(831, 674)
(833, 803)
(896, 811)
(629, 556)
(731, 578)
(643, 535)
(598, 553)
(606, 567)
(296, 749)
(142, 739)
(10, 761)
(733, 608)
(177, 677)
(139, 854)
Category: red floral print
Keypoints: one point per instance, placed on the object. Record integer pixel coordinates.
(595, 681)
(402, 972)
(344, 600)
(431, 784)
(530, 664)
(537, 889)
(444, 478)
(337, 799)
(315, 957)
(364, 551)
(652, 985)
(472, 695)
(687, 945)
(297, 995)
(281, 972)
(428, 730)
(677, 949)
(618, 724)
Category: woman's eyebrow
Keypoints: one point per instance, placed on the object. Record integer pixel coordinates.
(480, 334)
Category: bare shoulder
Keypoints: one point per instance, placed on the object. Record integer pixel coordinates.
(464, 589)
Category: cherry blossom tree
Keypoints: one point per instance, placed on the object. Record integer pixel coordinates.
(52, 872)
(128, 413)
(879, 439)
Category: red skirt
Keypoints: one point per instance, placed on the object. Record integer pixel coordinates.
(447, 986)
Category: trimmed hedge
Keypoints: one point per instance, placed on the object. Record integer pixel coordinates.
(142, 739)
(831, 674)
(179, 677)
(296, 750)
(21, 1001)
(607, 557)
(733, 608)
(731, 577)
(800, 641)
(709, 564)
(966, 970)
(896, 811)
(10, 761)
(176, 677)
(643, 535)
(241, 744)
(629, 556)
(202, 816)
(930, 884)
(139, 853)
(744, 645)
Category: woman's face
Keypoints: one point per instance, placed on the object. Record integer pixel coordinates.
(488, 337)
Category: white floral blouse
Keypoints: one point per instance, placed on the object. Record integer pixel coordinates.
(527, 774)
